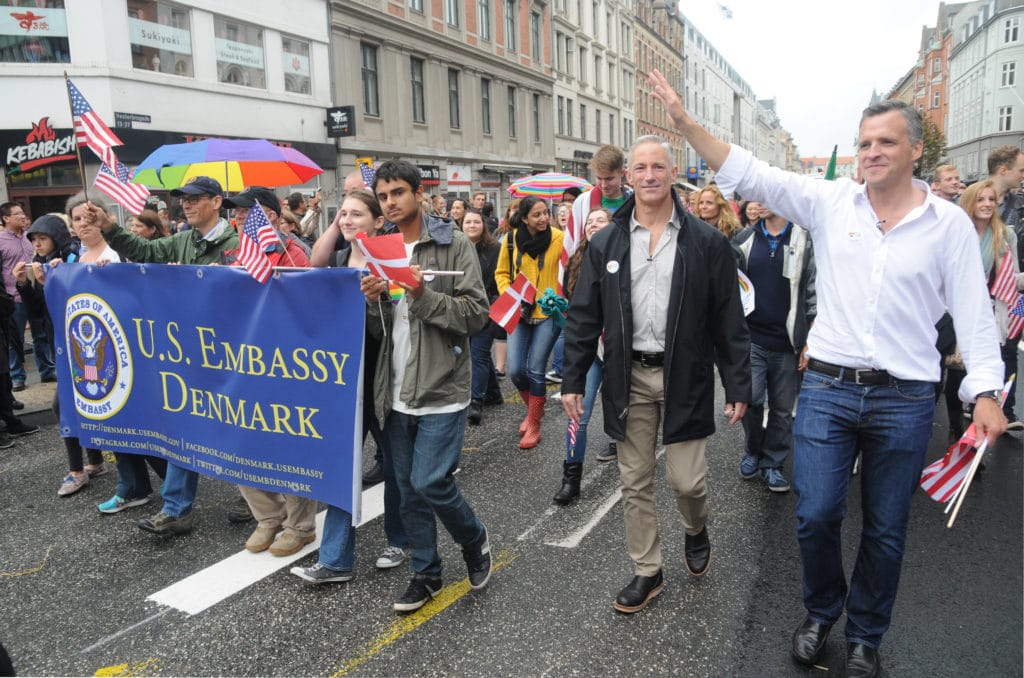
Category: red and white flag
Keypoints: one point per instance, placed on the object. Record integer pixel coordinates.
(1004, 288)
(942, 479)
(119, 187)
(386, 257)
(507, 310)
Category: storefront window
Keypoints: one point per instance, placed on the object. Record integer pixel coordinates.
(239, 50)
(295, 57)
(161, 39)
(32, 34)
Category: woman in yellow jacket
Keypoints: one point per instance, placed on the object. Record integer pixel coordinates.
(532, 248)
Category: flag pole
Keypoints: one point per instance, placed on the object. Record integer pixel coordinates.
(74, 133)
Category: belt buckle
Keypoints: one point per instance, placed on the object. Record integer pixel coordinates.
(643, 359)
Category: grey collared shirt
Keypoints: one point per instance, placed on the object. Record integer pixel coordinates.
(651, 277)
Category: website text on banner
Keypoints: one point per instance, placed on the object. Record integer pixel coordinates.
(254, 384)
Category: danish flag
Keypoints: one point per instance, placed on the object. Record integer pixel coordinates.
(386, 257)
(507, 310)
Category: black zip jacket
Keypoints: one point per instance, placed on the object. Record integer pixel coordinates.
(705, 326)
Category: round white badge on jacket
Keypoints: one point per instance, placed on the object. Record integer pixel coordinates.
(613, 267)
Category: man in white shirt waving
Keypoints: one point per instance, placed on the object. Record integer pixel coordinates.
(891, 258)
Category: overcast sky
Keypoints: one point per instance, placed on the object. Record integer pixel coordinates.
(819, 59)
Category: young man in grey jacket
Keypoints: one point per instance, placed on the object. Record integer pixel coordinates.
(422, 385)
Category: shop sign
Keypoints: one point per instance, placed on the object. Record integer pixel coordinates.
(341, 121)
(459, 175)
(42, 146)
(49, 22)
(240, 53)
(158, 36)
(295, 64)
(430, 175)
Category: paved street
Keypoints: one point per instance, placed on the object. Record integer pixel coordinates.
(74, 583)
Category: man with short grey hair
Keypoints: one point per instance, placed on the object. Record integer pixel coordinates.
(891, 258)
(660, 287)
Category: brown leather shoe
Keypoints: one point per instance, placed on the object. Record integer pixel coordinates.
(289, 543)
(261, 538)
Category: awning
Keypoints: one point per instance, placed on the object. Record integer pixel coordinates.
(518, 170)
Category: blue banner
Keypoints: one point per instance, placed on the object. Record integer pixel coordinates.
(253, 384)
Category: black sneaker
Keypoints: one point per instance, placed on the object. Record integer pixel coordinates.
(162, 523)
(240, 511)
(21, 429)
(374, 476)
(421, 589)
(17, 405)
(475, 413)
(6, 441)
(478, 563)
(609, 454)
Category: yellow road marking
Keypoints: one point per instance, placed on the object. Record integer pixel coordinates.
(403, 625)
(135, 669)
(34, 570)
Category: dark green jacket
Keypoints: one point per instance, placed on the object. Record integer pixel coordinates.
(187, 247)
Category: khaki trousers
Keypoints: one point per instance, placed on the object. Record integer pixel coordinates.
(273, 509)
(686, 464)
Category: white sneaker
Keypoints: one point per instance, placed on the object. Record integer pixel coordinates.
(392, 556)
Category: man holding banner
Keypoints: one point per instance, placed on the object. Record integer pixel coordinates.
(422, 385)
(208, 238)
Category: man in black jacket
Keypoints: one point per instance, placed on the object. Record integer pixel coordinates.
(661, 286)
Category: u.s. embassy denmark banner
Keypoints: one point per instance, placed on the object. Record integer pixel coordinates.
(254, 384)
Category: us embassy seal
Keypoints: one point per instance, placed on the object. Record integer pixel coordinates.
(99, 357)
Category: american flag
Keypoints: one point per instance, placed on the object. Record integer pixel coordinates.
(1004, 288)
(90, 130)
(368, 174)
(941, 479)
(131, 196)
(571, 432)
(256, 236)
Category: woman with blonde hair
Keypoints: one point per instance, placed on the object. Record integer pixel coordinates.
(713, 208)
(996, 242)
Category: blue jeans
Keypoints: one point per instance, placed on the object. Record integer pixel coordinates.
(485, 379)
(40, 342)
(558, 353)
(133, 475)
(338, 545)
(575, 454)
(891, 426)
(179, 490)
(426, 453)
(773, 375)
(528, 350)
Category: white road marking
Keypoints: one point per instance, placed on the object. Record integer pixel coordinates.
(221, 580)
(574, 539)
(103, 641)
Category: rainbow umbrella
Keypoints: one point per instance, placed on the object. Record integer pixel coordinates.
(235, 163)
(549, 185)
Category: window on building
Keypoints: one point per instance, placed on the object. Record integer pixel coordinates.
(511, 112)
(485, 105)
(536, 118)
(160, 37)
(597, 125)
(593, 20)
(1005, 118)
(535, 43)
(511, 14)
(419, 112)
(454, 115)
(295, 60)
(1011, 29)
(1009, 74)
(936, 98)
(568, 117)
(570, 47)
(583, 64)
(239, 49)
(936, 66)
(560, 115)
(611, 128)
(483, 19)
(451, 12)
(583, 121)
(559, 51)
(371, 103)
(611, 79)
(598, 70)
(416, 5)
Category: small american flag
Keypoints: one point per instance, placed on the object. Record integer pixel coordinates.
(256, 236)
(90, 130)
(368, 174)
(943, 478)
(572, 431)
(118, 186)
(1004, 288)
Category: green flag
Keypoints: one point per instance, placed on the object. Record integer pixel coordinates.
(830, 171)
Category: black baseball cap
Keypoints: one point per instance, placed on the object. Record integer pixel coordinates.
(253, 195)
(199, 186)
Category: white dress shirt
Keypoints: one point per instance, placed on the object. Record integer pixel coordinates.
(880, 294)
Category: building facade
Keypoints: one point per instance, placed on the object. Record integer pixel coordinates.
(595, 79)
(158, 72)
(986, 107)
(659, 44)
(462, 88)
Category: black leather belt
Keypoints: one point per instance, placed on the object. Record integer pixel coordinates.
(860, 377)
(649, 359)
